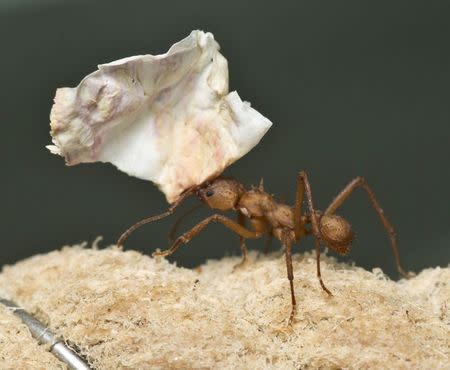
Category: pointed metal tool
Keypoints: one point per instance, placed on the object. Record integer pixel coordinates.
(45, 336)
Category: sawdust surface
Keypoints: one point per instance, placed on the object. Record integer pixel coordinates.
(125, 310)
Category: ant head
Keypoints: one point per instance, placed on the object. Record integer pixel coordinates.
(336, 233)
(222, 194)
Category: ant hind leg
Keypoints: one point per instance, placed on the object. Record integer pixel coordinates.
(304, 186)
(360, 182)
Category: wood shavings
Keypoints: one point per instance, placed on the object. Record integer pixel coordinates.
(125, 310)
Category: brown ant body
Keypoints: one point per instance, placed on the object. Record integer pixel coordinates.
(267, 216)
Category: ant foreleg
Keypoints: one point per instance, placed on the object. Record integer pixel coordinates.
(187, 236)
(148, 220)
(303, 183)
(177, 223)
(342, 197)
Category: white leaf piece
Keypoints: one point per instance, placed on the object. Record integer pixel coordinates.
(165, 118)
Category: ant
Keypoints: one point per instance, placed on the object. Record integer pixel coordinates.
(267, 216)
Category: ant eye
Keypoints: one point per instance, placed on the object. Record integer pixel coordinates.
(209, 193)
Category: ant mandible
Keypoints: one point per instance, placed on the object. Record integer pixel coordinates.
(267, 216)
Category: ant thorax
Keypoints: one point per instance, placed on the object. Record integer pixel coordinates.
(255, 203)
(260, 206)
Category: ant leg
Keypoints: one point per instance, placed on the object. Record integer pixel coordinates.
(319, 275)
(268, 242)
(303, 179)
(148, 220)
(290, 275)
(298, 224)
(187, 236)
(342, 197)
(241, 221)
(177, 223)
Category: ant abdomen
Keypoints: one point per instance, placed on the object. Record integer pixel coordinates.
(336, 232)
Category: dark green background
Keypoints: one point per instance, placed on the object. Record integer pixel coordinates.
(352, 87)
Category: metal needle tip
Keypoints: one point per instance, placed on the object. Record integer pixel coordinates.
(45, 336)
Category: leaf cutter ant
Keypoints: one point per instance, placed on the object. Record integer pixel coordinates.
(267, 216)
